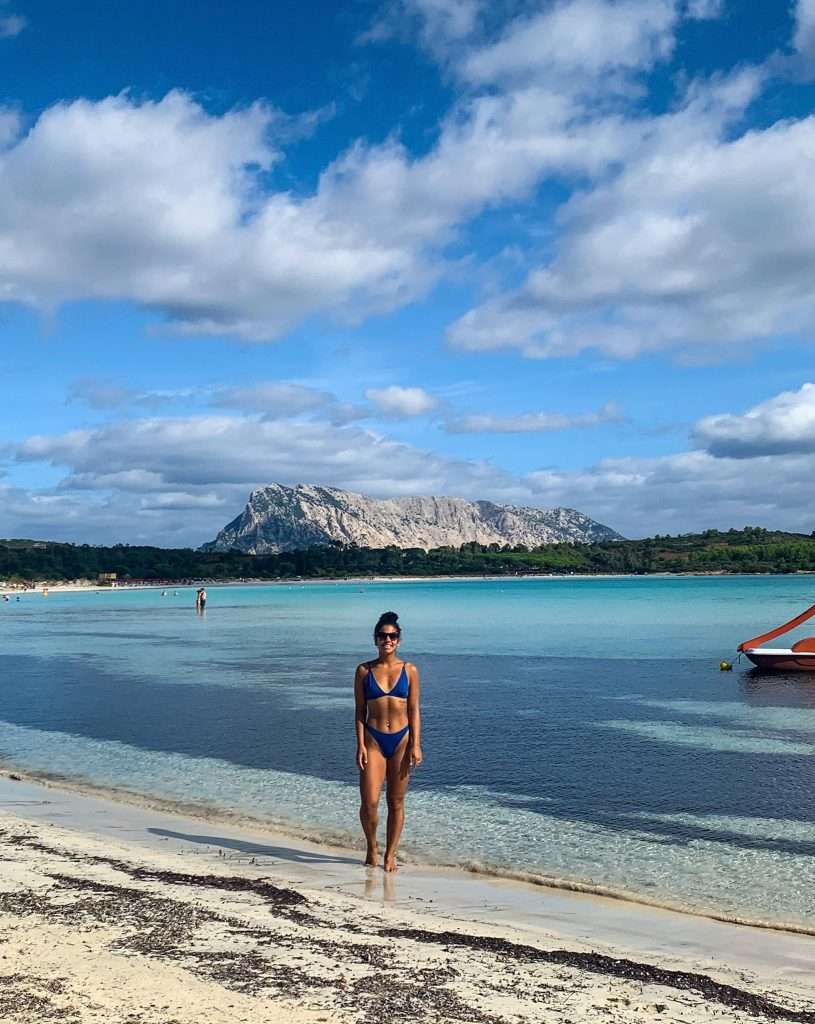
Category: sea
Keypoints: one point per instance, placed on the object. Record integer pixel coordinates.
(576, 731)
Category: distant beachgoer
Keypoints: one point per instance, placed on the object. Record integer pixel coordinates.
(201, 599)
(388, 730)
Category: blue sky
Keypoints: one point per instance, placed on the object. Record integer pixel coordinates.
(552, 253)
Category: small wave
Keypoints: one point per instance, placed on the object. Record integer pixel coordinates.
(347, 842)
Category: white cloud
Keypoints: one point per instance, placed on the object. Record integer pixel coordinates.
(163, 205)
(9, 126)
(167, 206)
(398, 401)
(158, 466)
(705, 10)
(585, 38)
(449, 19)
(184, 501)
(99, 394)
(130, 481)
(702, 239)
(783, 424)
(686, 492)
(531, 422)
(102, 394)
(804, 39)
(11, 25)
(276, 399)
(439, 24)
(159, 204)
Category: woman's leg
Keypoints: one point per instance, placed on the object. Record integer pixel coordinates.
(398, 779)
(370, 786)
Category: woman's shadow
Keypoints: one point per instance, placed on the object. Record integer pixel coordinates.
(255, 849)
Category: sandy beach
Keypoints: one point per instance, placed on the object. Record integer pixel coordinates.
(118, 913)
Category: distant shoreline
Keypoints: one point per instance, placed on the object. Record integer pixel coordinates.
(77, 587)
(751, 550)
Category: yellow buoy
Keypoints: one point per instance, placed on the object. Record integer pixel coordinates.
(725, 666)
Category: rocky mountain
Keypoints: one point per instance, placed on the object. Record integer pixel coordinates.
(278, 518)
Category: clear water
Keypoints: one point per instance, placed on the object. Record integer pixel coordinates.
(575, 729)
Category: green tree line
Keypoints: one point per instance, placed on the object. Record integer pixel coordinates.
(752, 549)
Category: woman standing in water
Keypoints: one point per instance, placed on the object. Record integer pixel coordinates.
(386, 691)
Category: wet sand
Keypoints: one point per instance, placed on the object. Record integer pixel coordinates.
(117, 913)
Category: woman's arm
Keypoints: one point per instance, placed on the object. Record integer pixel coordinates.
(359, 716)
(414, 716)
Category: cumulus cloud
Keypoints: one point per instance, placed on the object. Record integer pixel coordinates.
(165, 205)
(130, 480)
(531, 422)
(9, 126)
(401, 402)
(439, 24)
(160, 203)
(447, 19)
(783, 424)
(701, 239)
(686, 492)
(804, 38)
(158, 466)
(588, 38)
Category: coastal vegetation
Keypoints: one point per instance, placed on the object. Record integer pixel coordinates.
(751, 550)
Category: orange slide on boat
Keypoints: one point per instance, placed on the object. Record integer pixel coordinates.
(798, 658)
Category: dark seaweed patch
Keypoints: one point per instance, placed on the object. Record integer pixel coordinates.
(630, 970)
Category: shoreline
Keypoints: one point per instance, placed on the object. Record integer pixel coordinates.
(477, 873)
(80, 587)
(227, 924)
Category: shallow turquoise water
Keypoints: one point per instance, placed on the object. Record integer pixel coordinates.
(578, 729)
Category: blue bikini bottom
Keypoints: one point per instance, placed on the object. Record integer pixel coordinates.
(388, 741)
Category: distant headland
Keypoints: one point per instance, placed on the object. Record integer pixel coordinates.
(279, 518)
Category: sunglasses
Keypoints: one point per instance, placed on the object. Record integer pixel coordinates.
(382, 637)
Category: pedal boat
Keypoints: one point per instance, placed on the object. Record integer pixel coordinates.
(798, 658)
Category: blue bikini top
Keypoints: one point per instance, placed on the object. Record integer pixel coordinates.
(373, 690)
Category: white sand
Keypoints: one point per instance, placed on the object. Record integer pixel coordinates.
(128, 915)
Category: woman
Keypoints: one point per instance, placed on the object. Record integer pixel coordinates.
(388, 726)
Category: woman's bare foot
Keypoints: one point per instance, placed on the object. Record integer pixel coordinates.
(390, 862)
(371, 857)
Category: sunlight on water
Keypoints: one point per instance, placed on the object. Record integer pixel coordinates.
(754, 828)
(573, 728)
(711, 738)
(800, 719)
(699, 872)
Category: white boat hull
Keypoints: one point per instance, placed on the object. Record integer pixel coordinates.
(782, 659)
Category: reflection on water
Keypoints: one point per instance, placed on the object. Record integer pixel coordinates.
(786, 689)
(380, 885)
